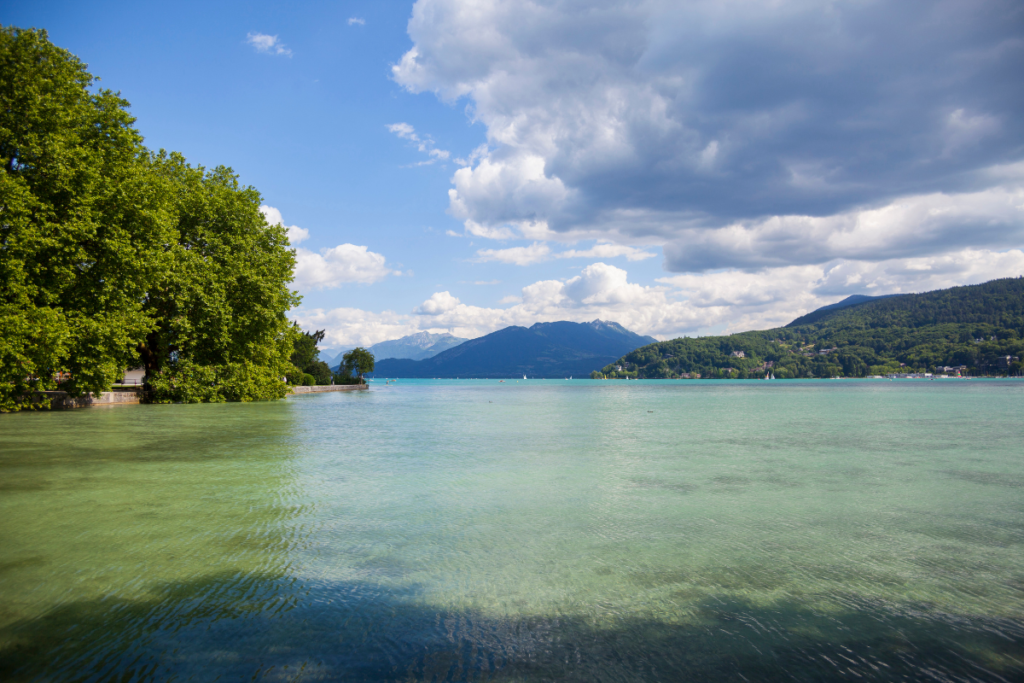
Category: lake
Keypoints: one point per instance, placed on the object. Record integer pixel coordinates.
(524, 531)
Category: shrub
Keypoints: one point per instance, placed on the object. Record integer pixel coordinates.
(186, 382)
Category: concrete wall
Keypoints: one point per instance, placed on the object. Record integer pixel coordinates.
(332, 387)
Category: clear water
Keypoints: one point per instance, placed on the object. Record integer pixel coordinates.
(540, 530)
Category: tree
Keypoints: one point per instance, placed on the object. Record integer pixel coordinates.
(358, 361)
(222, 301)
(110, 254)
(305, 352)
(83, 225)
(306, 357)
(320, 372)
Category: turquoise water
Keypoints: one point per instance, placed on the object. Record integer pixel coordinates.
(539, 530)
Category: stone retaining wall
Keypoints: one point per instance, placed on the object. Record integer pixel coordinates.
(127, 396)
(60, 399)
(330, 387)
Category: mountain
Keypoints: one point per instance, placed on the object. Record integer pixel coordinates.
(980, 327)
(414, 346)
(853, 300)
(558, 349)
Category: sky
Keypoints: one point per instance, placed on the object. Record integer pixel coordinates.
(681, 168)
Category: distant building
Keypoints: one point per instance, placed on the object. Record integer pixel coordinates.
(739, 354)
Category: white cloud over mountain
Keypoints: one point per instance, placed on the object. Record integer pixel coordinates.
(730, 300)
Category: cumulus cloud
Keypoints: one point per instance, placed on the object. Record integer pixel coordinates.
(356, 21)
(338, 265)
(295, 233)
(424, 144)
(738, 131)
(268, 44)
(333, 267)
(916, 225)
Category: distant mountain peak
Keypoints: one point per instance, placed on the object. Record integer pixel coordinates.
(545, 349)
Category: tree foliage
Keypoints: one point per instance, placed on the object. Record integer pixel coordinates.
(358, 361)
(222, 301)
(970, 326)
(109, 253)
(305, 359)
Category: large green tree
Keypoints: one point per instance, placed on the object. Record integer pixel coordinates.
(83, 225)
(111, 255)
(221, 302)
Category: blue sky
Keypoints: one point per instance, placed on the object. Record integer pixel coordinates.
(678, 168)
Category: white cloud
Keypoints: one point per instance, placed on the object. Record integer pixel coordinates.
(608, 250)
(295, 233)
(915, 225)
(268, 44)
(521, 256)
(438, 303)
(537, 252)
(356, 21)
(424, 144)
(333, 267)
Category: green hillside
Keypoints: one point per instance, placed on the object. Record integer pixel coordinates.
(970, 326)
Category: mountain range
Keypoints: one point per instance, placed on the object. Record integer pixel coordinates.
(557, 349)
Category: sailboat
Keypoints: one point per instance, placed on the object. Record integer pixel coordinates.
(773, 375)
(524, 376)
(766, 375)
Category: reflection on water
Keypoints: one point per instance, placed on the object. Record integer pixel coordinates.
(543, 531)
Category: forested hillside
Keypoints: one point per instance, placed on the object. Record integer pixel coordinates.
(971, 326)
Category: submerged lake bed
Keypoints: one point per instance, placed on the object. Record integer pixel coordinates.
(532, 530)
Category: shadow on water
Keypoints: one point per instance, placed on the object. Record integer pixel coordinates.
(249, 627)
